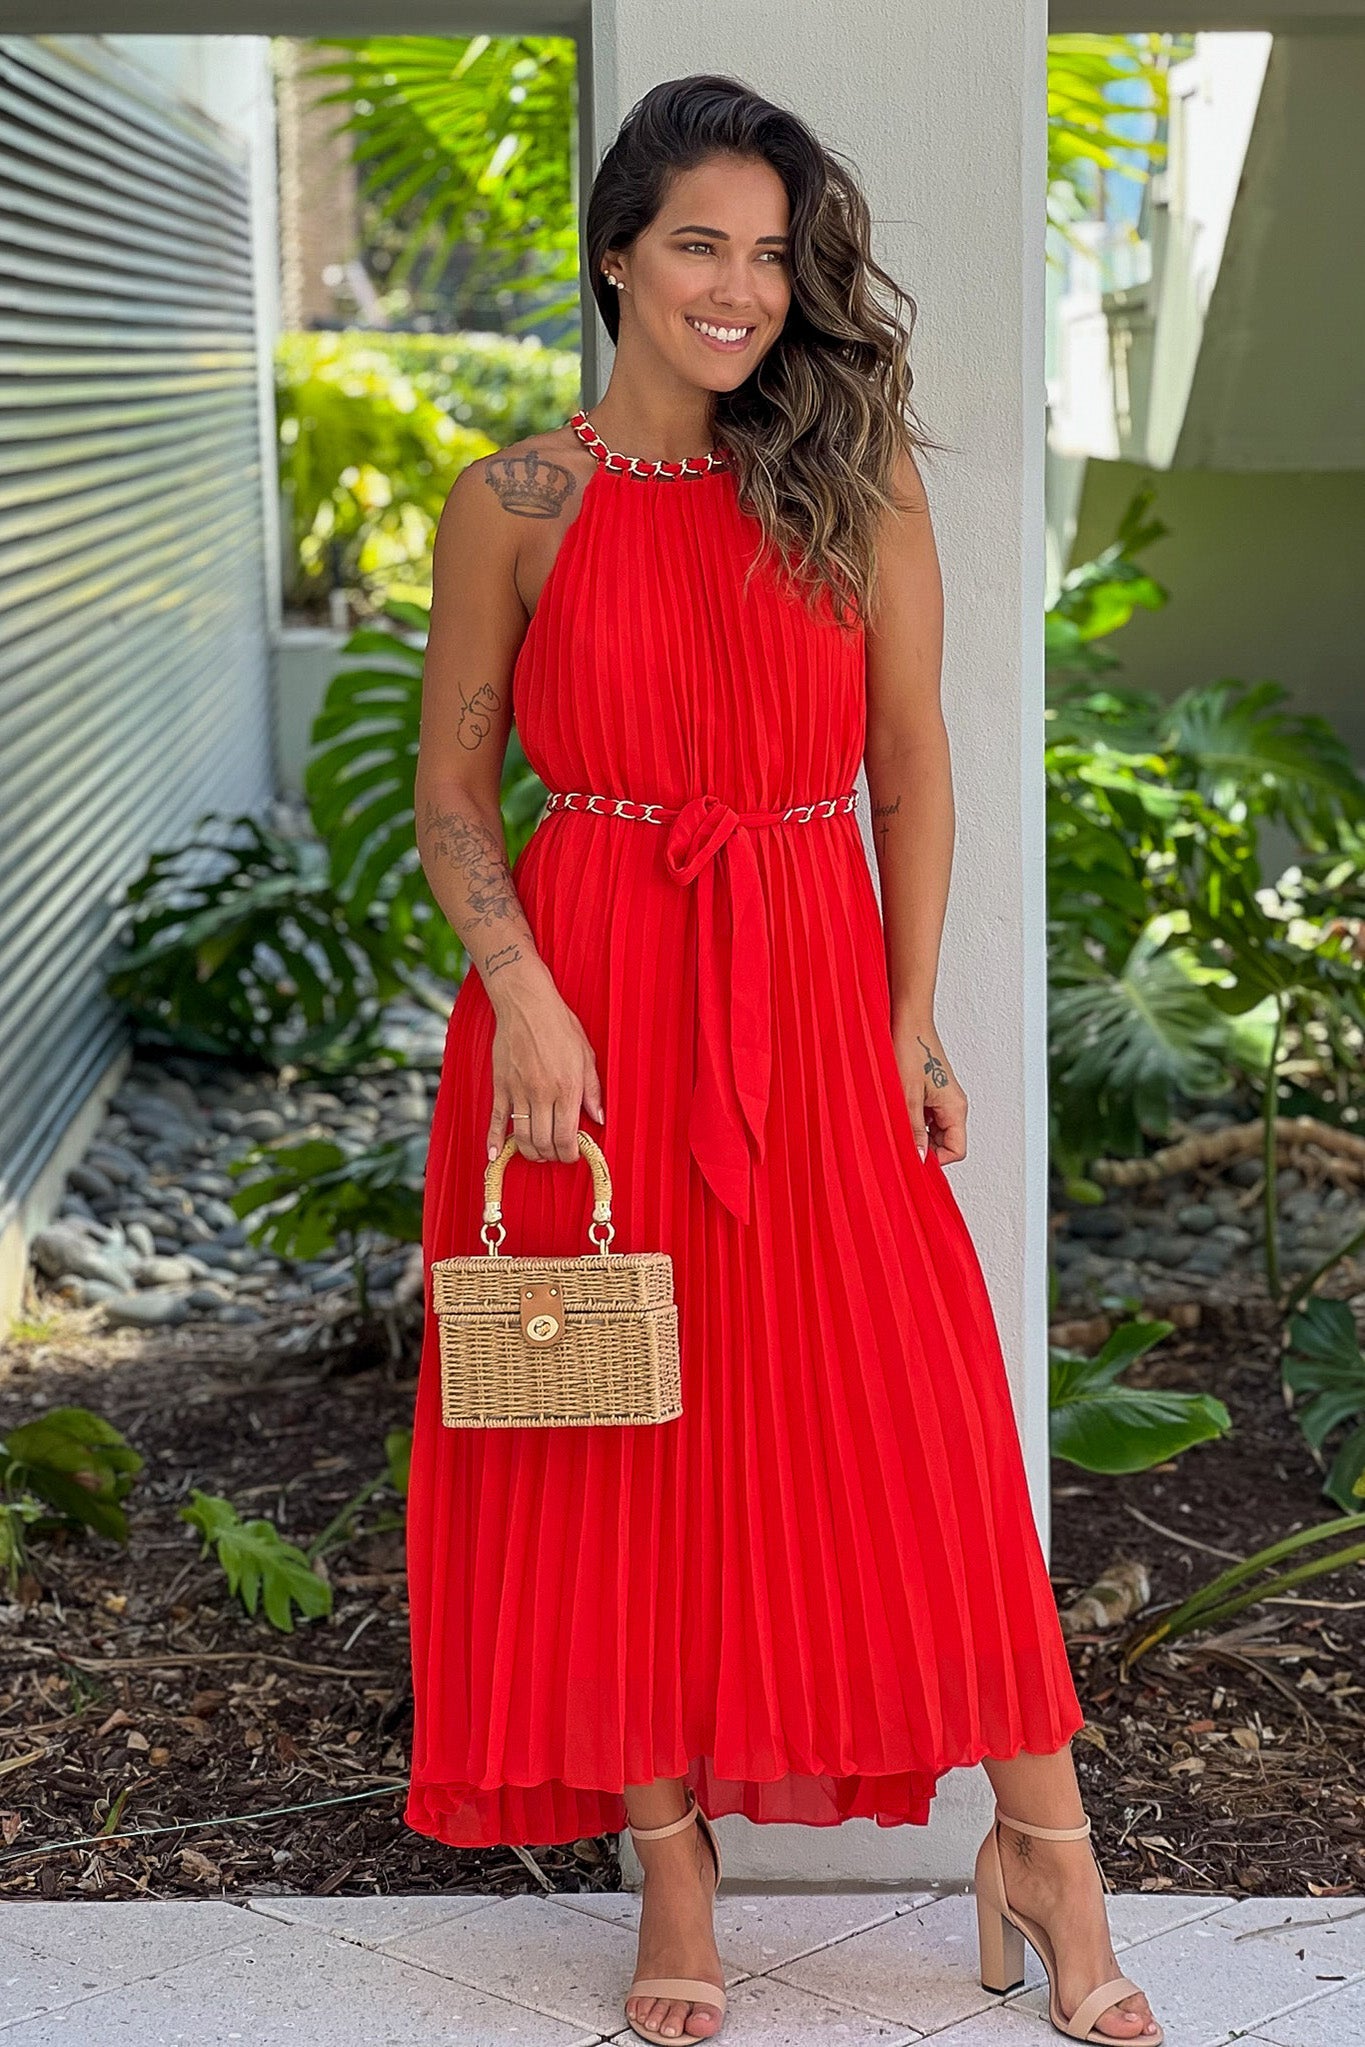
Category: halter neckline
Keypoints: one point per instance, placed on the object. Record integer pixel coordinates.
(641, 465)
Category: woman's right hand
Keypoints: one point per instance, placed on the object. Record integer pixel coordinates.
(544, 1065)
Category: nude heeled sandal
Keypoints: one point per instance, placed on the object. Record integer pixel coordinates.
(692, 1988)
(1002, 1932)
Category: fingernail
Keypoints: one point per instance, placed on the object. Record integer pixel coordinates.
(492, 1151)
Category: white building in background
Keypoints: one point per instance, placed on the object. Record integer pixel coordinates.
(138, 549)
(1218, 360)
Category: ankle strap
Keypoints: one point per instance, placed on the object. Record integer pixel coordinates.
(1046, 1833)
(671, 1827)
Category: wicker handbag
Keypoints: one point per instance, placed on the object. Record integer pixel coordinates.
(556, 1343)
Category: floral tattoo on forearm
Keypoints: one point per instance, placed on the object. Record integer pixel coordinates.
(481, 857)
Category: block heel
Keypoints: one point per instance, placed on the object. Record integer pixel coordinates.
(1001, 1949)
(1001, 1933)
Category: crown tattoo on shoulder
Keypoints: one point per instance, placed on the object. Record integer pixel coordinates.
(531, 486)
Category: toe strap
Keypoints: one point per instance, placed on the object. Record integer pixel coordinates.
(690, 1987)
(1097, 2001)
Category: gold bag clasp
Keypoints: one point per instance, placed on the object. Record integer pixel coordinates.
(542, 1312)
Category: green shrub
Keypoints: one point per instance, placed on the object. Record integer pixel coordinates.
(1173, 967)
(373, 430)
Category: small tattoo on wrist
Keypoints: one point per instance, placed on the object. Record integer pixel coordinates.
(934, 1066)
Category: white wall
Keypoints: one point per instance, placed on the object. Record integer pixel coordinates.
(943, 113)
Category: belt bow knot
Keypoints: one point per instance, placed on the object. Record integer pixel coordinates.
(709, 846)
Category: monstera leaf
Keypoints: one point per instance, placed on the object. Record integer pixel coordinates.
(1124, 1043)
(1325, 1363)
(1245, 749)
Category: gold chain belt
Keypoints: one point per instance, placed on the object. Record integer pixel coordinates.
(654, 813)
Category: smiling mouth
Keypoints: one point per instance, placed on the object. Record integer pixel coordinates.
(731, 337)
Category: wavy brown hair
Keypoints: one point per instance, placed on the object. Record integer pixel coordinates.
(814, 434)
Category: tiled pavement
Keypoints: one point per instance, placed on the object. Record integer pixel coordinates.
(810, 1970)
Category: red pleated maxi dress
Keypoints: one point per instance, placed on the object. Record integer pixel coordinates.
(821, 1586)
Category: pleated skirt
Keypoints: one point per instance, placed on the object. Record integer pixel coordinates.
(821, 1587)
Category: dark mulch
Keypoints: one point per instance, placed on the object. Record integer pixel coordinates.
(131, 1675)
(1233, 1761)
(134, 1673)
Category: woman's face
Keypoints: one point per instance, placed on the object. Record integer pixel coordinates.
(707, 283)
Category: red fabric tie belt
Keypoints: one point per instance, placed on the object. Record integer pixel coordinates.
(733, 1059)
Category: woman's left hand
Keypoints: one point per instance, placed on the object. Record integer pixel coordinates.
(937, 1104)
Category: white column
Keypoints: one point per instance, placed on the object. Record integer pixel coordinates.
(942, 111)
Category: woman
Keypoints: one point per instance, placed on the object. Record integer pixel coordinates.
(821, 1587)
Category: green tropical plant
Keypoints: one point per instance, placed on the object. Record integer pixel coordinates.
(1127, 1039)
(75, 1462)
(242, 947)
(468, 142)
(1101, 1425)
(1324, 1362)
(1280, 966)
(1095, 599)
(69, 1468)
(261, 1568)
(1084, 112)
(1173, 970)
(319, 1194)
(1227, 1595)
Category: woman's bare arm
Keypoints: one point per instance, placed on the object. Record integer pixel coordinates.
(477, 626)
(909, 779)
(542, 1062)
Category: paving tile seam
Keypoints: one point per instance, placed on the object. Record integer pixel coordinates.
(109, 1989)
(371, 1947)
(1282, 2011)
(441, 1976)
